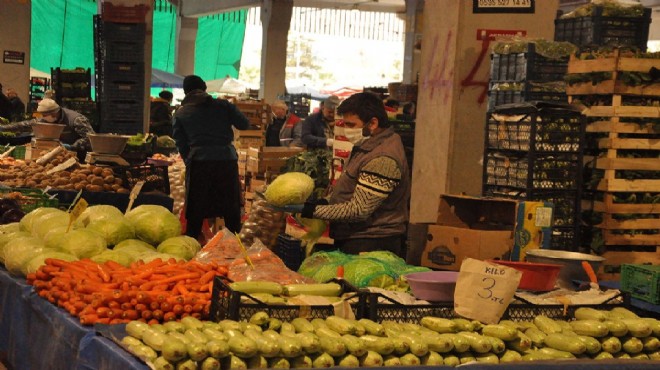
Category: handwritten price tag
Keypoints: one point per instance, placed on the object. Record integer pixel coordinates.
(76, 211)
(484, 290)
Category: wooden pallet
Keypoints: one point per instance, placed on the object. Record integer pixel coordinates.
(614, 260)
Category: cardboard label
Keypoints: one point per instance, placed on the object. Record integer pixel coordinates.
(484, 290)
(77, 210)
(544, 217)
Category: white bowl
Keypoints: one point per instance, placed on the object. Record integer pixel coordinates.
(43, 130)
(108, 143)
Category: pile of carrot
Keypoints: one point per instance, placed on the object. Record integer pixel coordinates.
(109, 293)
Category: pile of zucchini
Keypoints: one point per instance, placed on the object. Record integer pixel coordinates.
(266, 342)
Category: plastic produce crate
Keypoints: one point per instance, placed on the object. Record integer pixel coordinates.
(121, 51)
(599, 30)
(155, 177)
(123, 14)
(227, 303)
(121, 110)
(113, 31)
(642, 281)
(501, 97)
(381, 308)
(528, 66)
(123, 90)
(291, 252)
(116, 71)
(30, 199)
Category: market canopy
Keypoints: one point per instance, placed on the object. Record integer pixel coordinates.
(306, 90)
(227, 85)
(160, 78)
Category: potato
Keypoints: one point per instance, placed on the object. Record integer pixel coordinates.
(91, 187)
(78, 186)
(109, 179)
(97, 181)
(97, 171)
(123, 191)
(107, 187)
(107, 172)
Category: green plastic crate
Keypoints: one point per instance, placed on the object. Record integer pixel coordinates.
(31, 198)
(641, 281)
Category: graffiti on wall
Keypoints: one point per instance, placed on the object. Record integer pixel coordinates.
(441, 75)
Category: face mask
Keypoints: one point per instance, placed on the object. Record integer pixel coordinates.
(354, 135)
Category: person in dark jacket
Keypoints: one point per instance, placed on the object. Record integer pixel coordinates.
(202, 130)
(5, 105)
(160, 122)
(286, 127)
(317, 128)
(17, 106)
(368, 207)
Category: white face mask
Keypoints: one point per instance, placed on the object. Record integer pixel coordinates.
(354, 135)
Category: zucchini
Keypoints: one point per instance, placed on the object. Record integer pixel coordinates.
(372, 327)
(431, 359)
(310, 342)
(603, 356)
(340, 325)
(197, 350)
(439, 324)
(547, 325)
(290, 346)
(278, 363)
(391, 360)
(234, 362)
(323, 360)
(382, 345)
(259, 318)
(555, 353)
(590, 328)
(301, 362)
(192, 323)
(136, 328)
(417, 346)
(451, 360)
(592, 344)
(488, 358)
(510, 356)
(348, 360)
(250, 287)
(651, 344)
(325, 290)
(637, 328)
(588, 313)
(502, 332)
(217, 348)
(616, 327)
(438, 343)
(610, 344)
(173, 349)
(632, 345)
(354, 345)
(371, 359)
(210, 363)
(333, 346)
(478, 343)
(302, 325)
(160, 363)
(410, 359)
(257, 362)
(242, 346)
(565, 342)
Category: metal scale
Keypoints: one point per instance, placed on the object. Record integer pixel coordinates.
(101, 159)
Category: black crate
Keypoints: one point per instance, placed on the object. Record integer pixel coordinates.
(124, 127)
(227, 303)
(539, 172)
(289, 249)
(122, 51)
(116, 72)
(114, 91)
(120, 110)
(528, 66)
(155, 177)
(565, 238)
(496, 97)
(598, 30)
(381, 308)
(132, 32)
(76, 75)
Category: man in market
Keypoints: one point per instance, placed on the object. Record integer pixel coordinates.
(160, 122)
(74, 137)
(202, 129)
(368, 207)
(286, 128)
(317, 128)
(17, 106)
(5, 106)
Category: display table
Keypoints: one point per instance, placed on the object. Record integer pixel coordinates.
(35, 334)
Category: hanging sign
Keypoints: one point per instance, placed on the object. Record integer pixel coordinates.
(13, 57)
(485, 34)
(503, 6)
(484, 290)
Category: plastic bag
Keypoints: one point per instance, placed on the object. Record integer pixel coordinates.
(263, 223)
(222, 249)
(322, 266)
(264, 266)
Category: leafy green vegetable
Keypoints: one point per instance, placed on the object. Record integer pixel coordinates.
(82, 243)
(316, 163)
(153, 224)
(18, 252)
(181, 246)
(289, 188)
(113, 230)
(39, 260)
(122, 258)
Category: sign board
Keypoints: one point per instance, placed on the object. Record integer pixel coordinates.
(503, 6)
(485, 34)
(13, 57)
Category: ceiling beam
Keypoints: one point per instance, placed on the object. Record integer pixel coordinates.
(200, 8)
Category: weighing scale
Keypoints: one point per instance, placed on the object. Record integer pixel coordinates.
(40, 146)
(105, 159)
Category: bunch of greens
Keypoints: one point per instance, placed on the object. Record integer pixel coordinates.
(316, 163)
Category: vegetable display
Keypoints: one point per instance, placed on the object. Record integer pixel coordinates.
(156, 291)
(336, 341)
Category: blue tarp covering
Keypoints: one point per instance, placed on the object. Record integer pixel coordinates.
(160, 78)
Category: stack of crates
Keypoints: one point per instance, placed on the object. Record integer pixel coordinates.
(73, 90)
(519, 73)
(605, 26)
(119, 36)
(533, 151)
(299, 104)
(260, 116)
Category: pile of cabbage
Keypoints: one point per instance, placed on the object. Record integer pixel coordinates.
(379, 269)
(101, 233)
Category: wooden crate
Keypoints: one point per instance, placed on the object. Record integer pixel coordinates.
(257, 112)
(269, 159)
(615, 64)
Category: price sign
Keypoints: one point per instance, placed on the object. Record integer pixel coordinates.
(484, 290)
(76, 211)
(503, 6)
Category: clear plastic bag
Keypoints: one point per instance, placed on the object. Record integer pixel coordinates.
(263, 265)
(222, 249)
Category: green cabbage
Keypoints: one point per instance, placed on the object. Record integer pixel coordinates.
(98, 212)
(44, 224)
(134, 247)
(366, 271)
(82, 243)
(112, 229)
(19, 252)
(154, 224)
(39, 260)
(27, 221)
(6, 238)
(53, 238)
(146, 258)
(182, 246)
(120, 257)
(289, 188)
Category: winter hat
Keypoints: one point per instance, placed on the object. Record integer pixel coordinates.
(331, 102)
(47, 106)
(193, 82)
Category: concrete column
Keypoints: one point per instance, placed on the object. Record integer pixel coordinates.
(275, 20)
(15, 23)
(453, 84)
(186, 33)
(412, 15)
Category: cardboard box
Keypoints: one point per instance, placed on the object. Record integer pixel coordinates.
(485, 228)
(269, 159)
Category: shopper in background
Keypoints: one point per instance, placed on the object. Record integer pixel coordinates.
(5, 106)
(74, 137)
(408, 112)
(17, 106)
(160, 122)
(286, 128)
(202, 129)
(317, 128)
(392, 105)
(368, 207)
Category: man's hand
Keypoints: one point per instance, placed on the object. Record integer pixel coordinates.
(67, 146)
(329, 142)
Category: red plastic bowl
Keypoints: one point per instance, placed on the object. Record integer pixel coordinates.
(540, 277)
(437, 286)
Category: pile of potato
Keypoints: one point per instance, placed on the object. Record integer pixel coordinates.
(31, 174)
